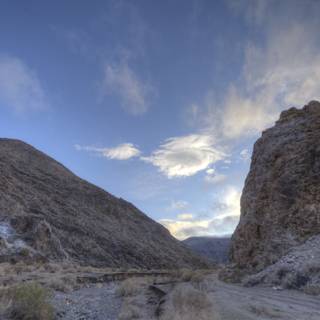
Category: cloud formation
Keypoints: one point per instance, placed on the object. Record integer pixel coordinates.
(281, 69)
(186, 155)
(123, 151)
(20, 88)
(178, 205)
(213, 177)
(222, 222)
(122, 81)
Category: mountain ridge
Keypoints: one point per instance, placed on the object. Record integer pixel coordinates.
(60, 215)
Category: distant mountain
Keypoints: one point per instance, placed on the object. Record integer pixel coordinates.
(213, 248)
(48, 212)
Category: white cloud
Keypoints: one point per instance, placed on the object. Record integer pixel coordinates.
(186, 155)
(215, 178)
(178, 205)
(280, 70)
(121, 80)
(223, 221)
(185, 216)
(20, 88)
(123, 151)
(210, 171)
(245, 155)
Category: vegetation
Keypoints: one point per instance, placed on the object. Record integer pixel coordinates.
(30, 302)
(188, 303)
(131, 286)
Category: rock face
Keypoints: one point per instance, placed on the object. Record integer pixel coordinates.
(213, 248)
(280, 204)
(298, 269)
(47, 211)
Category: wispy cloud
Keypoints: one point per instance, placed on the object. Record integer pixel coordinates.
(222, 222)
(281, 69)
(122, 81)
(123, 151)
(214, 178)
(20, 87)
(185, 216)
(178, 205)
(186, 155)
(245, 155)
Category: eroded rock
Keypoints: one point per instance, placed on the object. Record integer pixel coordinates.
(280, 203)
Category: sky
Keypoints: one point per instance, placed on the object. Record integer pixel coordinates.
(157, 102)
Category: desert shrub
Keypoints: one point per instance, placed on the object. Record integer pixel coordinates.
(232, 274)
(186, 275)
(31, 302)
(130, 287)
(312, 268)
(282, 272)
(129, 311)
(5, 302)
(295, 281)
(25, 252)
(188, 303)
(52, 267)
(313, 289)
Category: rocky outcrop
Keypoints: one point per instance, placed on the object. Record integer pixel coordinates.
(280, 203)
(298, 269)
(59, 216)
(214, 249)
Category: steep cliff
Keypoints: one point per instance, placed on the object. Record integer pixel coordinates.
(280, 204)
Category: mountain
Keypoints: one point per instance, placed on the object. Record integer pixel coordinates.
(280, 204)
(47, 212)
(213, 248)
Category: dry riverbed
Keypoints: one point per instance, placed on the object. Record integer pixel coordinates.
(225, 302)
(101, 295)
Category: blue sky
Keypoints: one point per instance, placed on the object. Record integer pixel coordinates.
(157, 102)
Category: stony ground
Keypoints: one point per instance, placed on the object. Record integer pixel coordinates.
(258, 303)
(89, 294)
(99, 302)
(231, 302)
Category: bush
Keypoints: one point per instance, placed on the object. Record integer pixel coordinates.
(25, 252)
(188, 303)
(129, 311)
(31, 302)
(313, 289)
(132, 286)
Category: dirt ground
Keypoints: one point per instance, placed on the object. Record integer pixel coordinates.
(231, 302)
(93, 295)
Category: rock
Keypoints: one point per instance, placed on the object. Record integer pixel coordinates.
(213, 248)
(38, 234)
(60, 216)
(298, 269)
(280, 203)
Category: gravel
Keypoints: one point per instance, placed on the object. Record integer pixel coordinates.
(98, 302)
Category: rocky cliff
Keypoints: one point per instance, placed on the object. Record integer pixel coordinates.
(46, 212)
(280, 204)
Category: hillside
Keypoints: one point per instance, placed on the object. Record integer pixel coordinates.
(48, 213)
(213, 248)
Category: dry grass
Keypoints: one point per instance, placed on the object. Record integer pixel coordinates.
(30, 302)
(194, 276)
(313, 289)
(187, 303)
(132, 286)
(129, 310)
